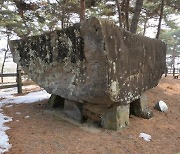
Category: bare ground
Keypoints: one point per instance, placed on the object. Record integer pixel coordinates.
(49, 132)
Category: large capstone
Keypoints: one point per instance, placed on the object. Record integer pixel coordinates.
(95, 62)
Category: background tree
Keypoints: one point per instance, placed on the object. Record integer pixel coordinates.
(172, 38)
(119, 12)
(26, 17)
(160, 19)
(83, 7)
(135, 19)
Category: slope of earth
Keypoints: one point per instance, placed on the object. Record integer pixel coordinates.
(39, 130)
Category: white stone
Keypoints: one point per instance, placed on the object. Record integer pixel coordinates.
(27, 117)
(145, 136)
(163, 106)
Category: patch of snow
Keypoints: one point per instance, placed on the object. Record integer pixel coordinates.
(7, 92)
(4, 140)
(27, 117)
(9, 106)
(29, 98)
(110, 3)
(7, 97)
(145, 136)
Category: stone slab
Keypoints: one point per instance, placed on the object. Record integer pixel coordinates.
(95, 62)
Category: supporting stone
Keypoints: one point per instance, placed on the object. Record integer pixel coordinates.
(116, 118)
(73, 110)
(56, 101)
(94, 112)
(139, 108)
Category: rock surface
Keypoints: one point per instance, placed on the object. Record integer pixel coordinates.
(96, 67)
(96, 62)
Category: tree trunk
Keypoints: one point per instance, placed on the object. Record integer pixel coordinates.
(62, 22)
(173, 56)
(127, 14)
(4, 60)
(63, 14)
(160, 19)
(119, 12)
(82, 13)
(123, 20)
(145, 26)
(2, 68)
(123, 4)
(135, 19)
(67, 21)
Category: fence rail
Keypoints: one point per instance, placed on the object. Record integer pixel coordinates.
(18, 80)
(8, 86)
(8, 75)
(175, 72)
(170, 71)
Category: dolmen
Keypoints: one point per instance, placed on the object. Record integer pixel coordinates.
(94, 70)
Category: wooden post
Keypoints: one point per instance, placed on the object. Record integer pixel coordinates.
(166, 71)
(19, 80)
(173, 71)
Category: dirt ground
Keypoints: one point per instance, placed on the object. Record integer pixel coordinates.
(47, 131)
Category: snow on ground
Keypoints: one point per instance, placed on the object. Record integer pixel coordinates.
(5, 93)
(27, 117)
(145, 136)
(29, 98)
(4, 139)
(6, 97)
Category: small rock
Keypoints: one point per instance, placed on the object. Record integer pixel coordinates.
(169, 87)
(5, 118)
(147, 114)
(145, 136)
(161, 106)
(73, 110)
